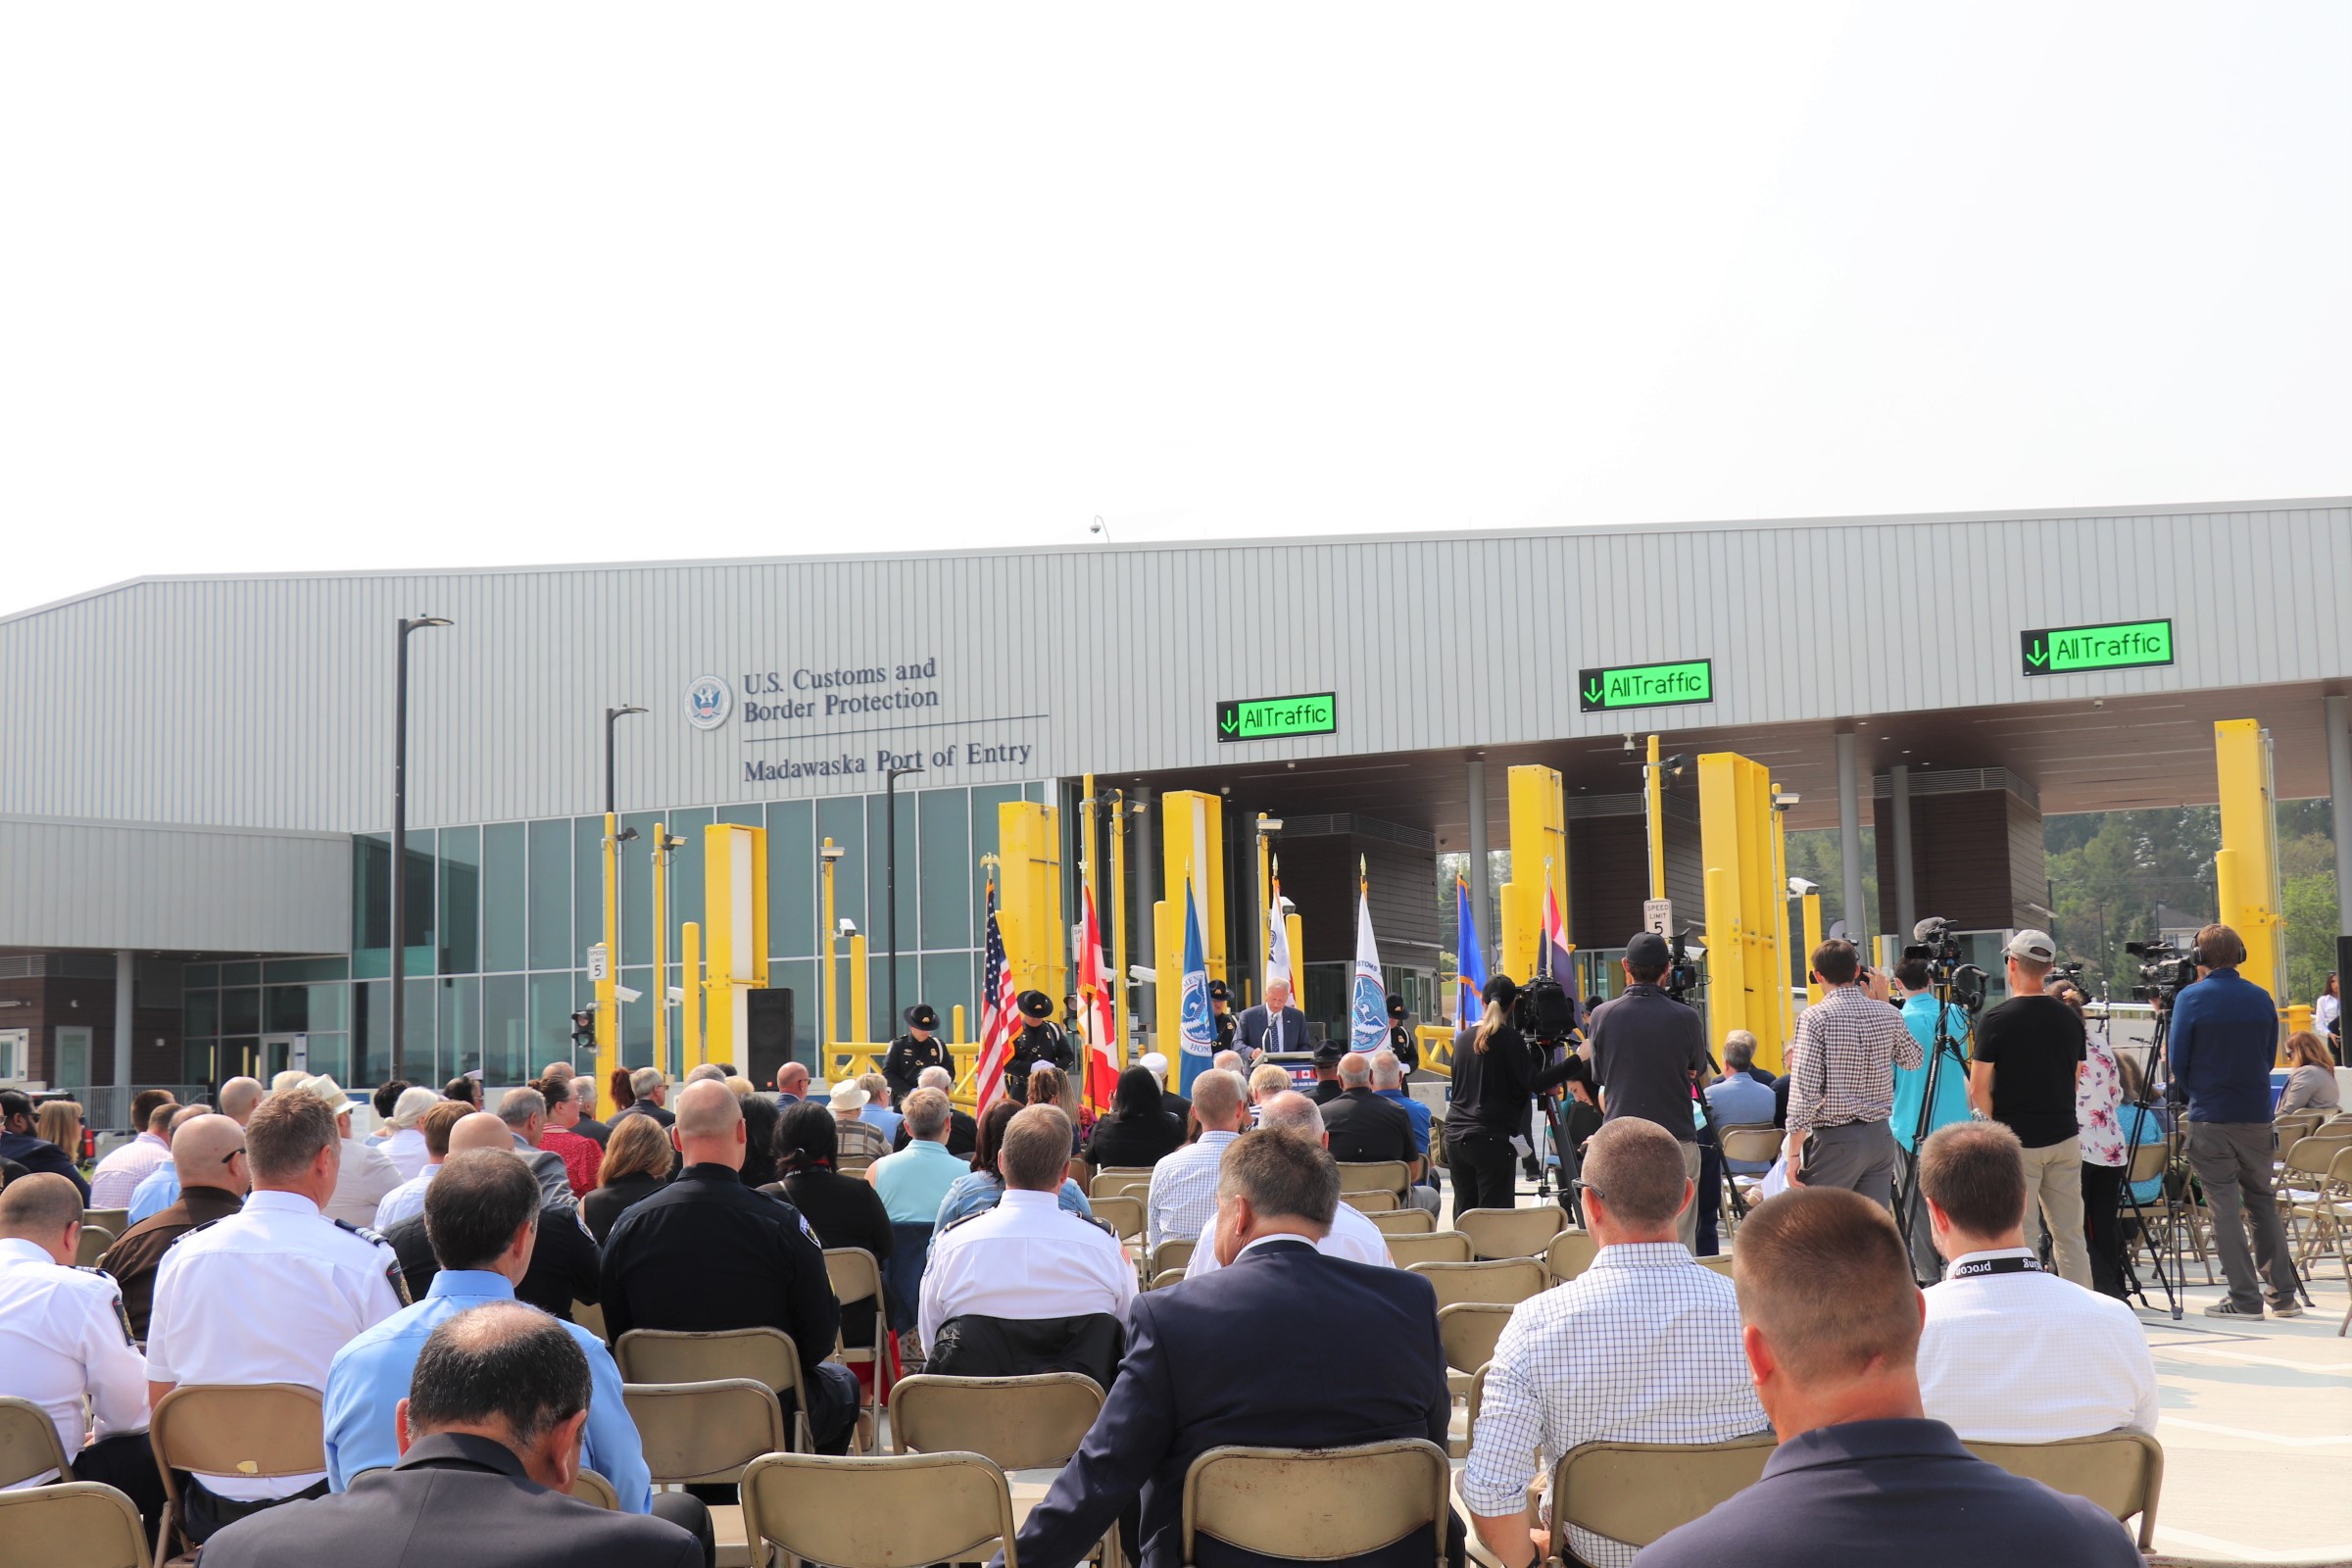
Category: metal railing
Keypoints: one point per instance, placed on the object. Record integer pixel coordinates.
(106, 1108)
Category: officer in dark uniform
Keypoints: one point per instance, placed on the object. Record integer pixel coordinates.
(1220, 1016)
(913, 1052)
(1041, 1040)
(1400, 1038)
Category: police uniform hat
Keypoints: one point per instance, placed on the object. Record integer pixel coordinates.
(922, 1015)
(1036, 1005)
(1329, 1053)
(1218, 993)
(1395, 1007)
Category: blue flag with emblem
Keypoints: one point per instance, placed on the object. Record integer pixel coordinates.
(1469, 963)
(1368, 1004)
(1197, 1039)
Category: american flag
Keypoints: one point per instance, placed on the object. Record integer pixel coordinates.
(1000, 1013)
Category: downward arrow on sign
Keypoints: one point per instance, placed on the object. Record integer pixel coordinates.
(2037, 655)
(1231, 722)
(1592, 694)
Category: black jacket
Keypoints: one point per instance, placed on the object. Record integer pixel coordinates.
(603, 1206)
(563, 1268)
(1365, 1127)
(39, 1154)
(844, 1211)
(905, 1060)
(1493, 1091)
(452, 1500)
(590, 1128)
(963, 1134)
(1134, 1145)
(1182, 1389)
(707, 1253)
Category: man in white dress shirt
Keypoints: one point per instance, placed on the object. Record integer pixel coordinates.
(119, 1174)
(64, 1340)
(407, 1200)
(1028, 1257)
(2009, 1352)
(1351, 1235)
(1644, 1346)
(365, 1173)
(1184, 1184)
(269, 1294)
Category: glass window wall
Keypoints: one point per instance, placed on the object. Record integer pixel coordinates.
(550, 898)
(503, 897)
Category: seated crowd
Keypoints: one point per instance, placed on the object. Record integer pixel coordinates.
(461, 1401)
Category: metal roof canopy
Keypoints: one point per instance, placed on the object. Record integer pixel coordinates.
(2122, 752)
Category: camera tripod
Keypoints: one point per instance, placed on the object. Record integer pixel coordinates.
(1943, 1046)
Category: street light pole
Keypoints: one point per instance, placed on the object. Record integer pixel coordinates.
(608, 999)
(890, 876)
(400, 839)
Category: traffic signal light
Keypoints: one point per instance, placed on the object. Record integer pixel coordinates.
(584, 1027)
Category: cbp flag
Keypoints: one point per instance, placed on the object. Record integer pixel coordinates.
(1198, 1040)
(1469, 963)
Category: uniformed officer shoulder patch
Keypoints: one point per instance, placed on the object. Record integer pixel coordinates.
(1102, 1225)
(392, 1274)
(122, 1320)
(963, 1220)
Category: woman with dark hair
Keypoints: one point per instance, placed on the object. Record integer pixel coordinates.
(2098, 1123)
(583, 1158)
(636, 1165)
(1494, 1084)
(760, 1118)
(462, 1087)
(982, 1188)
(843, 1210)
(1137, 1133)
(623, 1095)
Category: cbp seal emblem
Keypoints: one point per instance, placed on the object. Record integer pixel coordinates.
(708, 702)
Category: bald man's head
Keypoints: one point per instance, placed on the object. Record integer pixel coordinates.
(481, 1129)
(181, 1117)
(1356, 1072)
(1291, 1111)
(710, 1125)
(41, 1208)
(1217, 1101)
(238, 1097)
(209, 1150)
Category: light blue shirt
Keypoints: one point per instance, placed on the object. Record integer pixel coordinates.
(976, 1191)
(158, 1191)
(914, 1181)
(370, 1375)
(1911, 1082)
(1740, 1099)
(881, 1118)
(1417, 1111)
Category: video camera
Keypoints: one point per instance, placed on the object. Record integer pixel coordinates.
(1937, 945)
(1682, 972)
(1545, 1012)
(2164, 970)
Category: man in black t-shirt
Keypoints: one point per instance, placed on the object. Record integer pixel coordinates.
(2030, 1053)
(1647, 1051)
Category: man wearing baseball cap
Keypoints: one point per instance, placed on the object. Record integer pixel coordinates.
(2029, 1053)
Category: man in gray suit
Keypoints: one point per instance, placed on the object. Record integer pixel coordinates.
(1273, 1024)
(490, 1445)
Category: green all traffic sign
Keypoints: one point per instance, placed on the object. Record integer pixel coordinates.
(1688, 680)
(1265, 718)
(2117, 645)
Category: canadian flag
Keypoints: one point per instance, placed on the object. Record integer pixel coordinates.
(1101, 1022)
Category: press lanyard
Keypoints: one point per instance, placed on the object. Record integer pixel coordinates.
(1995, 1265)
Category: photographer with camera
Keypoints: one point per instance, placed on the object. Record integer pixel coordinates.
(1915, 978)
(1496, 1079)
(1842, 1078)
(2029, 1054)
(2225, 1033)
(1649, 1055)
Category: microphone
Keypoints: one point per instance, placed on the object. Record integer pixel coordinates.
(1930, 929)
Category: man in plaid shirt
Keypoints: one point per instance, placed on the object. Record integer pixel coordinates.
(1842, 1078)
(857, 1137)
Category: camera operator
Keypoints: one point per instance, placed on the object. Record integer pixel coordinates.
(2225, 1033)
(1915, 978)
(1496, 1079)
(1648, 1054)
(1842, 1078)
(2029, 1054)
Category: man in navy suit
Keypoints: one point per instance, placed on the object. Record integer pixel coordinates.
(1184, 1390)
(1273, 1024)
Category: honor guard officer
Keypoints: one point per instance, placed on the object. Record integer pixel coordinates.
(269, 1294)
(1221, 1020)
(1400, 1038)
(1041, 1040)
(908, 1055)
(64, 1340)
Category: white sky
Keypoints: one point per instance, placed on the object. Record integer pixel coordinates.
(330, 286)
